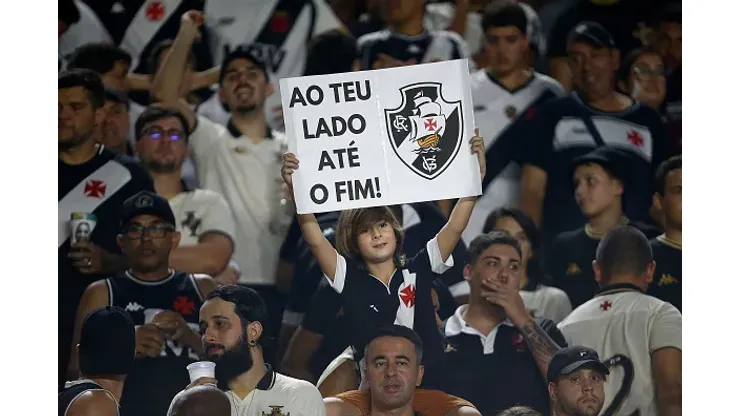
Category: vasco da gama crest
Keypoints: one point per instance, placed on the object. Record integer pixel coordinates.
(426, 130)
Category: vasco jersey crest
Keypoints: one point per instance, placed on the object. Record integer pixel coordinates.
(625, 326)
(497, 111)
(153, 382)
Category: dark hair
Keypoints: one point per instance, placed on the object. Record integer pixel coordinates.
(670, 12)
(535, 265)
(248, 305)
(352, 221)
(666, 167)
(519, 411)
(484, 241)
(626, 68)
(100, 57)
(68, 12)
(623, 251)
(398, 331)
(152, 61)
(87, 79)
(240, 52)
(504, 13)
(331, 52)
(152, 114)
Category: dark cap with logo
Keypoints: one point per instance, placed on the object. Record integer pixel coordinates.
(571, 359)
(146, 203)
(614, 161)
(592, 33)
(107, 342)
(242, 52)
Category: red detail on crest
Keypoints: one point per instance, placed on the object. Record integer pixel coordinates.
(606, 305)
(636, 138)
(95, 188)
(531, 112)
(430, 124)
(155, 11)
(517, 340)
(183, 305)
(280, 22)
(408, 296)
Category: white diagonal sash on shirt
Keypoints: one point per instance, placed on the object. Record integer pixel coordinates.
(141, 30)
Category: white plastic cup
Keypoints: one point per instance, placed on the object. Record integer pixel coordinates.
(201, 369)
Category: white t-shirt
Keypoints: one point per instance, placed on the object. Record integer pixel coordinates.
(277, 394)
(201, 211)
(247, 175)
(496, 109)
(89, 29)
(547, 302)
(625, 326)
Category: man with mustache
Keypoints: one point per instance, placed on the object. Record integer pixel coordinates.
(162, 302)
(576, 379)
(394, 371)
(202, 216)
(232, 327)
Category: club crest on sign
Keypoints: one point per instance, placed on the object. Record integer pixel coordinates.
(425, 130)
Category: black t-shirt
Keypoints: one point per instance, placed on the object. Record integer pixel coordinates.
(99, 186)
(628, 21)
(571, 256)
(426, 47)
(666, 284)
(73, 390)
(506, 377)
(557, 133)
(153, 382)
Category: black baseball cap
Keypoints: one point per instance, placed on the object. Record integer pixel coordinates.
(570, 359)
(592, 33)
(241, 52)
(107, 342)
(146, 203)
(614, 161)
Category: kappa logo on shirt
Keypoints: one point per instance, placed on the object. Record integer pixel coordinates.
(133, 307)
(573, 269)
(667, 280)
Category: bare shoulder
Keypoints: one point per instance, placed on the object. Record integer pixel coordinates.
(464, 411)
(93, 403)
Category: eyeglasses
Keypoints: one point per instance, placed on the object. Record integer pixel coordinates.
(156, 133)
(135, 231)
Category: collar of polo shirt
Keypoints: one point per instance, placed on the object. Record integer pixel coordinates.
(456, 324)
(236, 133)
(268, 380)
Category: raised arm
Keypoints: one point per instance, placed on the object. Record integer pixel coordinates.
(167, 83)
(449, 236)
(321, 248)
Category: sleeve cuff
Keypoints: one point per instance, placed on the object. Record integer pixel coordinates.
(438, 265)
(340, 274)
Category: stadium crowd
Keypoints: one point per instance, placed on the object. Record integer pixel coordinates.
(556, 291)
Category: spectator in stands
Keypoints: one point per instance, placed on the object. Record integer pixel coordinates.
(462, 17)
(565, 128)
(406, 41)
(240, 161)
(540, 300)
(106, 354)
(627, 20)
(576, 380)
(233, 321)
(202, 216)
(519, 411)
(669, 42)
(394, 371)
(497, 354)
(371, 20)
(601, 179)
(115, 128)
(667, 247)
(503, 93)
(162, 302)
(630, 330)
(69, 14)
(642, 76)
(94, 180)
(200, 401)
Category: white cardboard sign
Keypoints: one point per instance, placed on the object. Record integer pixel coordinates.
(381, 137)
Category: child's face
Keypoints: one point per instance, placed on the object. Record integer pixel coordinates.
(595, 190)
(376, 241)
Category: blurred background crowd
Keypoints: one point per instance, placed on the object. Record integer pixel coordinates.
(579, 106)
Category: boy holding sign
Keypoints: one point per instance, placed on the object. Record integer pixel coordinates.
(378, 285)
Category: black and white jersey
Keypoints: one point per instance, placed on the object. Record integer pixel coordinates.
(153, 382)
(560, 130)
(98, 186)
(666, 283)
(429, 46)
(74, 389)
(276, 31)
(497, 113)
(89, 29)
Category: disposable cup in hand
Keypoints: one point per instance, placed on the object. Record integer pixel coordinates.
(201, 369)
